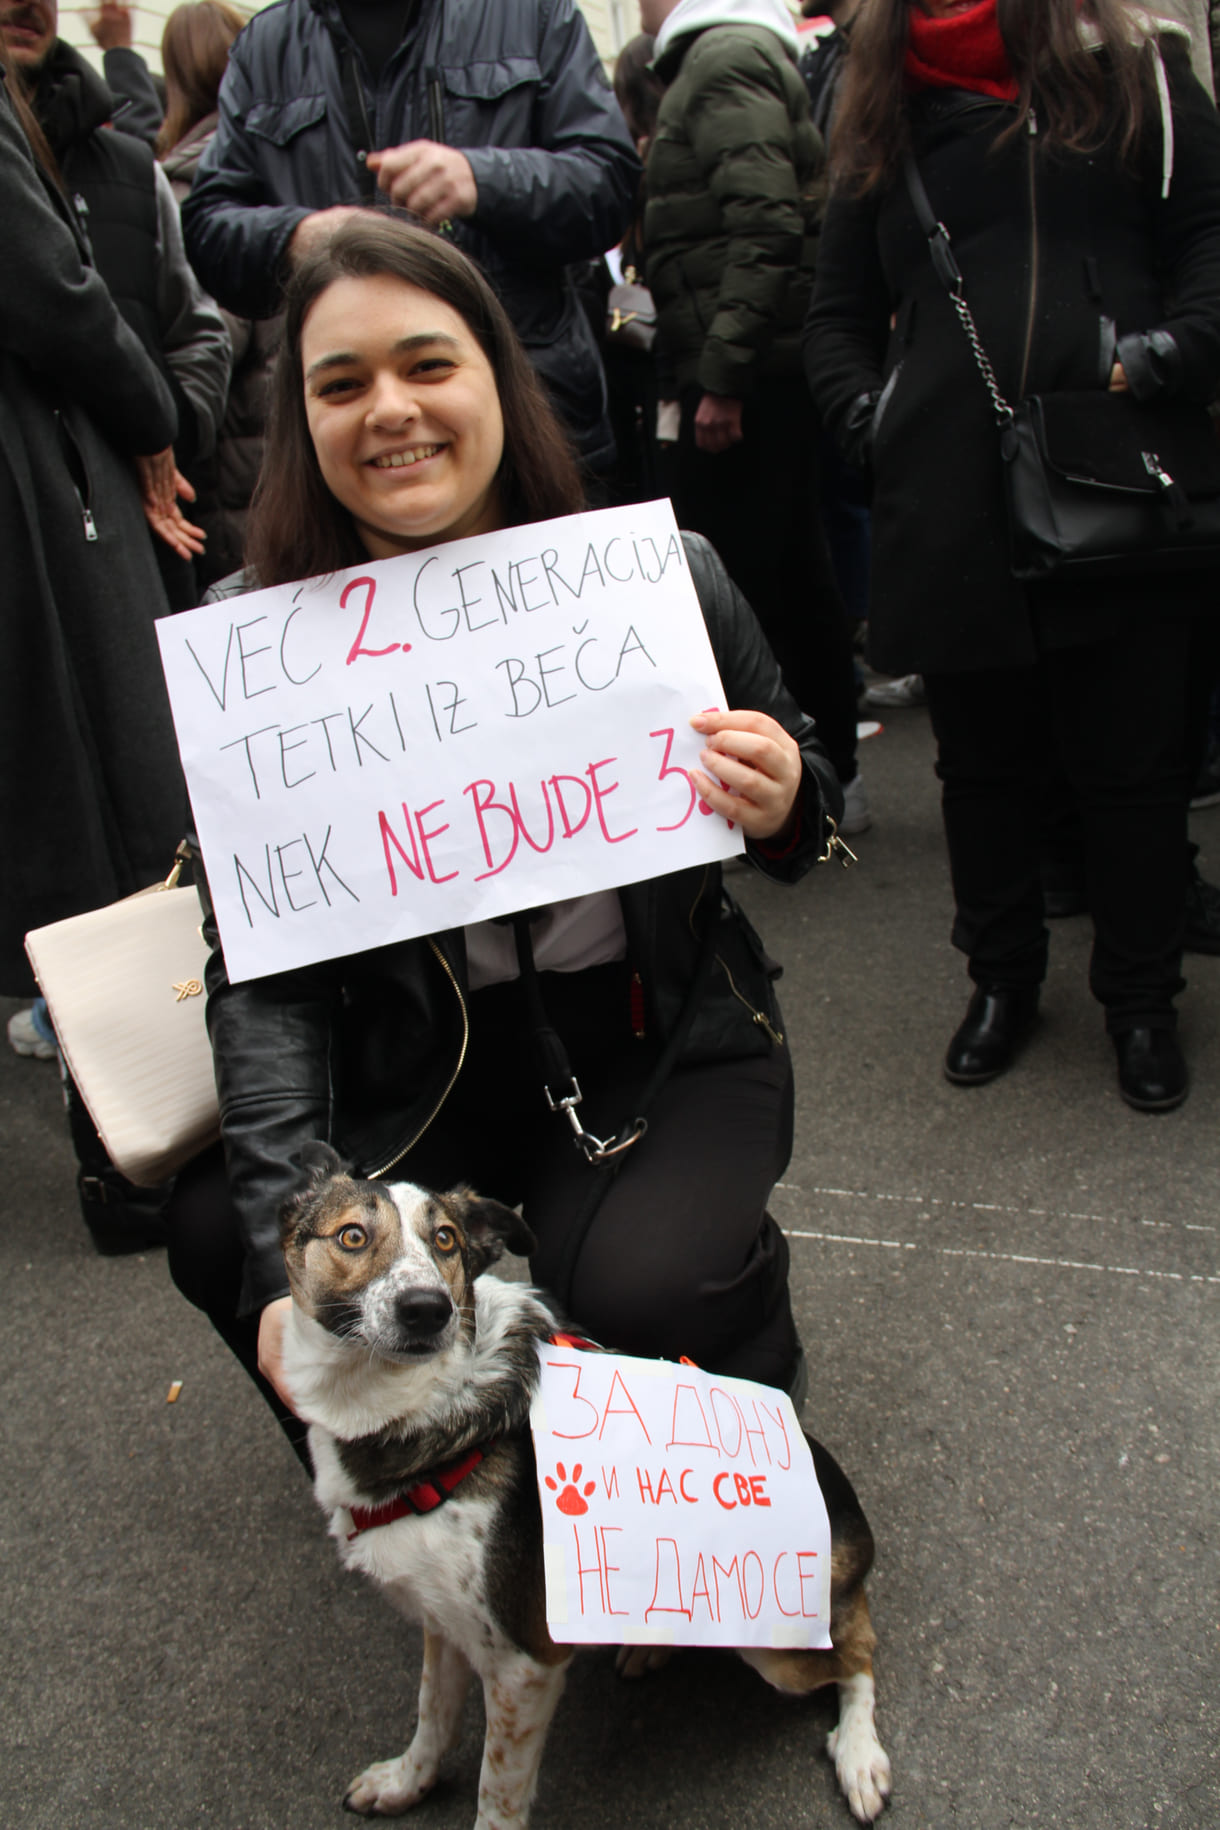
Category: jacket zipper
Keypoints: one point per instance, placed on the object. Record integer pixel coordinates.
(384, 1169)
(362, 155)
(1032, 132)
(436, 105)
(82, 502)
(756, 1016)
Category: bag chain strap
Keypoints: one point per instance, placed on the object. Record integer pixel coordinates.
(1003, 412)
(950, 275)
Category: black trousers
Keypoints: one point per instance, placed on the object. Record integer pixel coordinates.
(680, 1255)
(1113, 713)
(758, 505)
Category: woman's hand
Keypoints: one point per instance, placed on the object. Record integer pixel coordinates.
(718, 423)
(760, 767)
(271, 1347)
(1118, 380)
(161, 484)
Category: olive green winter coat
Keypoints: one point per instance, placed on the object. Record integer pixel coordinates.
(733, 198)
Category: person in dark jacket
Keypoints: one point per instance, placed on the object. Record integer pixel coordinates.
(1084, 211)
(414, 1060)
(195, 48)
(138, 101)
(491, 119)
(130, 218)
(730, 225)
(92, 802)
(138, 108)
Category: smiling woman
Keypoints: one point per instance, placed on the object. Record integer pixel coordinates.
(406, 414)
(392, 346)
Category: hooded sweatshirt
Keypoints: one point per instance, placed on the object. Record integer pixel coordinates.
(696, 15)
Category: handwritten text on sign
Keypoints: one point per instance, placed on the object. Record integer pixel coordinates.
(437, 739)
(677, 1507)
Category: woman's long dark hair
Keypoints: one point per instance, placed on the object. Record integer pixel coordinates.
(1083, 99)
(40, 146)
(297, 529)
(195, 55)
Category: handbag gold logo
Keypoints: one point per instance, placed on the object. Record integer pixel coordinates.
(187, 988)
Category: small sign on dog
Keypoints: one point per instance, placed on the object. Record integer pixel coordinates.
(678, 1507)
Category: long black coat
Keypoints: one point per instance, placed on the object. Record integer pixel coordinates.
(1060, 254)
(91, 795)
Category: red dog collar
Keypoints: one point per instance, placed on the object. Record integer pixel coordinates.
(427, 1494)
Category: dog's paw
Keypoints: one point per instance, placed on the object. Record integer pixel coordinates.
(388, 1787)
(861, 1765)
(637, 1661)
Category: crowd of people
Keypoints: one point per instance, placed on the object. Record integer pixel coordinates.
(440, 210)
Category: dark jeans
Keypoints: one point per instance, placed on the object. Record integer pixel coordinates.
(681, 1256)
(1062, 839)
(758, 505)
(1113, 714)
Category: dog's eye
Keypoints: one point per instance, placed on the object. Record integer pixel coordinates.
(445, 1239)
(352, 1238)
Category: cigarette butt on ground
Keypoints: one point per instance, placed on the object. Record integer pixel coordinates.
(171, 1396)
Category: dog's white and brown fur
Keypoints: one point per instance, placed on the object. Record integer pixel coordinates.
(401, 1357)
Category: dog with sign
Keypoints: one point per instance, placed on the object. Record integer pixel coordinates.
(417, 1376)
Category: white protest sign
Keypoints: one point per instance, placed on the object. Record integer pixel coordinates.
(678, 1507)
(422, 742)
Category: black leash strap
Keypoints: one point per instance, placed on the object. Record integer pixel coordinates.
(553, 1057)
(559, 1083)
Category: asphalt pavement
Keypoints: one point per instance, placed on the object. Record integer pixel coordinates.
(1009, 1299)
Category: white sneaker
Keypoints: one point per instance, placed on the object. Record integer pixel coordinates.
(857, 816)
(25, 1039)
(906, 690)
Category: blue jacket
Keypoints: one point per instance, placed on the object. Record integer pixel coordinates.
(516, 84)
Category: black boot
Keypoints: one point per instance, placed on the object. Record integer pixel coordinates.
(1202, 932)
(997, 1021)
(1152, 1072)
(121, 1217)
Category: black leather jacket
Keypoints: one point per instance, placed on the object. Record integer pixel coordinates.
(515, 84)
(363, 1051)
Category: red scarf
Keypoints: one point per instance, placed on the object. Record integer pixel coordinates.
(961, 51)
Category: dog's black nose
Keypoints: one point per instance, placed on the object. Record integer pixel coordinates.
(422, 1312)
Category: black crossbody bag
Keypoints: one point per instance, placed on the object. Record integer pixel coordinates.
(1096, 482)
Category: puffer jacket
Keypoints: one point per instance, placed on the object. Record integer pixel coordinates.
(129, 217)
(732, 196)
(363, 1051)
(515, 84)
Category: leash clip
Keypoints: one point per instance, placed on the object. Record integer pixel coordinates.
(835, 847)
(596, 1150)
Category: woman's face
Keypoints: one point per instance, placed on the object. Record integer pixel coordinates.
(403, 412)
(940, 9)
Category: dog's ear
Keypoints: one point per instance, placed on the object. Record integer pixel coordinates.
(491, 1229)
(317, 1163)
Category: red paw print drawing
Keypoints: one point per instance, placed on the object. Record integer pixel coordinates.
(569, 1500)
